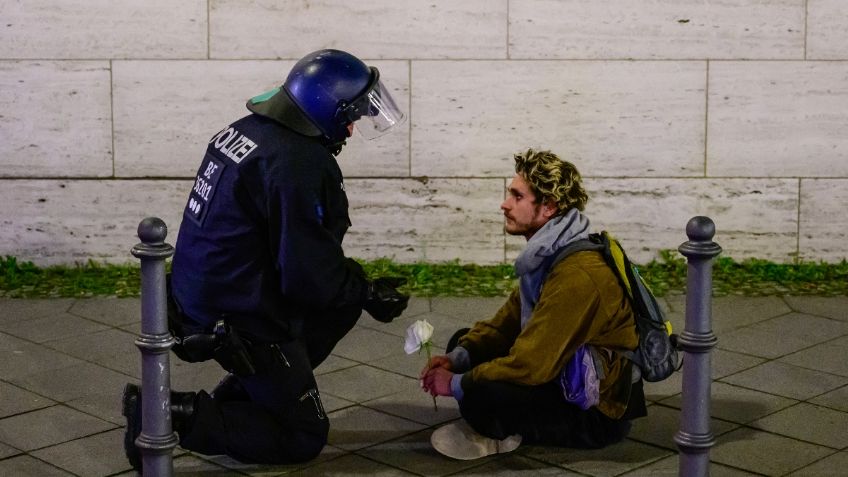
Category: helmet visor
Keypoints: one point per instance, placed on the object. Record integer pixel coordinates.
(375, 113)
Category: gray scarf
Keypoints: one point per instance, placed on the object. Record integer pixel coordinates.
(531, 265)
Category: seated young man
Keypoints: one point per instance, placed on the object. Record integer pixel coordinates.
(505, 372)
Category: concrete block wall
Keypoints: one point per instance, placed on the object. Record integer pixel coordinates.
(670, 108)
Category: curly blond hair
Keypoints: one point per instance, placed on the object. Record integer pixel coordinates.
(552, 179)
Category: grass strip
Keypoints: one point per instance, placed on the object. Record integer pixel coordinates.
(751, 277)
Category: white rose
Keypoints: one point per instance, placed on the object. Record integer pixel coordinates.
(417, 335)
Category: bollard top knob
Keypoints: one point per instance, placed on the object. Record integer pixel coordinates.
(700, 246)
(152, 231)
(700, 229)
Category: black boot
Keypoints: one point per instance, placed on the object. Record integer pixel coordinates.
(131, 409)
(182, 411)
(182, 414)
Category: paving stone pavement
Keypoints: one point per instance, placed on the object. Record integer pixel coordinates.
(779, 395)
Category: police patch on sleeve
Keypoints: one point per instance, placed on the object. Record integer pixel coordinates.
(204, 189)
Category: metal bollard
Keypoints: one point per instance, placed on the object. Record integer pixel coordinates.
(157, 439)
(694, 438)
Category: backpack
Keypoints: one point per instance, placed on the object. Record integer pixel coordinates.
(656, 355)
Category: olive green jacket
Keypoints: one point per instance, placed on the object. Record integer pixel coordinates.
(581, 302)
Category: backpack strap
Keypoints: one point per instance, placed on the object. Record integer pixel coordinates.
(602, 242)
(591, 243)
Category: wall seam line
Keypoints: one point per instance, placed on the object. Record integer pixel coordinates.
(409, 119)
(706, 114)
(112, 112)
(208, 30)
(503, 229)
(507, 30)
(806, 27)
(798, 226)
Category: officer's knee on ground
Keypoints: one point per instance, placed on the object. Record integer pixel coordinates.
(304, 448)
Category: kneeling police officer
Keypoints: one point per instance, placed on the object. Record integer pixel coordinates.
(259, 280)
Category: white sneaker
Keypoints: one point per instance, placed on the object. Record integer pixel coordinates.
(459, 441)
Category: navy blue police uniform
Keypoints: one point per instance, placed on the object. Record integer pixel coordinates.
(259, 280)
(260, 247)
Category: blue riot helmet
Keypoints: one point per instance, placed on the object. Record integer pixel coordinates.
(325, 92)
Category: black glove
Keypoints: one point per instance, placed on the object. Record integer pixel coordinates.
(383, 301)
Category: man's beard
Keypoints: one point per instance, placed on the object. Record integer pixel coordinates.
(516, 228)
